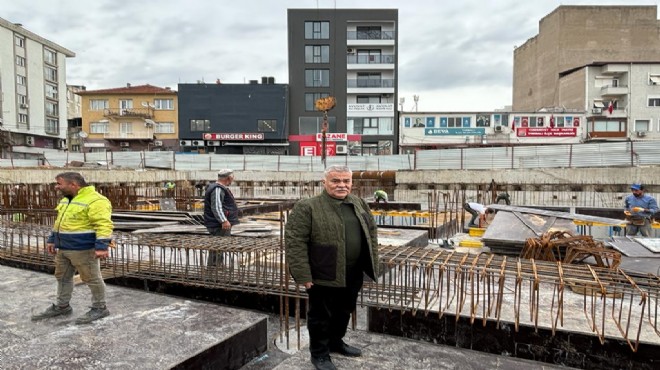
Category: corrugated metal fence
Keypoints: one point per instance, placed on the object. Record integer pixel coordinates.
(623, 154)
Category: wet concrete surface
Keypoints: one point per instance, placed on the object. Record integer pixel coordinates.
(144, 330)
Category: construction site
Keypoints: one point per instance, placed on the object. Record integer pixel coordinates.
(553, 282)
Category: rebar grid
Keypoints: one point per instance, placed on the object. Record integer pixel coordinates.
(434, 281)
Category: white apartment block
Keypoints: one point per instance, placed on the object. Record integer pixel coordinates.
(33, 99)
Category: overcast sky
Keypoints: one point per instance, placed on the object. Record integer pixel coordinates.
(455, 55)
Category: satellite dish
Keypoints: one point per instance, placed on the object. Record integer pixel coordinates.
(145, 104)
(152, 106)
(149, 123)
(83, 134)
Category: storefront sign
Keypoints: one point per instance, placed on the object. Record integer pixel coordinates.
(315, 148)
(463, 131)
(546, 131)
(332, 136)
(244, 136)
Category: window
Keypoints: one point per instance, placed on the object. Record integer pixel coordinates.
(125, 128)
(125, 104)
(317, 78)
(311, 98)
(370, 126)
(98, 127)
(536, 121)
(367, 56)
(267, 125)
(369, 80)
(313, 125)
(20, 41)
(52, 126)
(22, 118)
(200, 125)
(609, 126)
(50, 57)
(642, 125)
(50, 74)
(164, 104)
(164, 128)
(317, 30)
(317, 54)
(483, 120)
(51, 91)
(654, 102)
(21, 80)
(22, 99)
(20, 61)
(52, 108)
(368, 99)
(454, 121)
(98, 104)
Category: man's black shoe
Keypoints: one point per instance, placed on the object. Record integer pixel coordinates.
(346, 350)
(323, 363)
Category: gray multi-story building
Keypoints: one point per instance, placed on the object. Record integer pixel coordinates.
(33, 108)
(602, 60)
(350, 54)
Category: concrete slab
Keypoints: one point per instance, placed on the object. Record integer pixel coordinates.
(144, 331)
(388, 352)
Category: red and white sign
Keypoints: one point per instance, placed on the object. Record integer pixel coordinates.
(239, 136)
(332, 136)
(313, 148)
(546, 132)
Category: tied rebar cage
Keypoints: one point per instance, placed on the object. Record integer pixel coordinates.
(483, 287)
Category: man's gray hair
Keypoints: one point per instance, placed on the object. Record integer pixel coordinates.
(72, 177)
(223, 174)
(337, 168)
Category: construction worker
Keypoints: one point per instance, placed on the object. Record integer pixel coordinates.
(505, 197)
(169, 189)
(380, 195)
(639, 208)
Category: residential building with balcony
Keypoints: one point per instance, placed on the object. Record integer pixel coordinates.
(352, 55)
(602, 60)
(33, 107)
(74, 118)
(131, 118)
(234, 118)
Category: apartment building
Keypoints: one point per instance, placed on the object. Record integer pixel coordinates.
(227, 118)
(602, 60)
(130, 118)
(352, 55)
(33, 107)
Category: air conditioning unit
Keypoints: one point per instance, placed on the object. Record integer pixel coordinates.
(124, 144)
(350, 51)
(597, 110)
(341, 149)
(158, 143)
(29, 140)
(641, 133)
(197, 143)
(25, 106)
(499, 128)
(184, 143)
(213, 143)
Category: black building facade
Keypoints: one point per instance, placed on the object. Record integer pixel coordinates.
(234, 118)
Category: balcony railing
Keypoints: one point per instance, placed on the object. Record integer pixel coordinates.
(370, 35)
(614, 90)
(129, 112)
(388, 82)
(370, 59)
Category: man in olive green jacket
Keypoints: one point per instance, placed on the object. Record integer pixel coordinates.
(331, 241)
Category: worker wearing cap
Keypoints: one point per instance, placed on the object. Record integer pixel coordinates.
(220, 209)
(639, 208)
